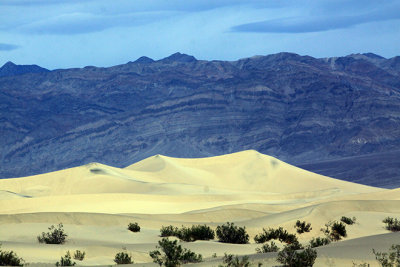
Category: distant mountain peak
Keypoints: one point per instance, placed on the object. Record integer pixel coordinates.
(11, 69)
(367, 56)
(144, 60)
(372, 55)
(8, 64)
(178, 57)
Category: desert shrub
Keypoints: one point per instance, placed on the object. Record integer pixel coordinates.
(188, 234)
(229, 233)
(338, 230)
(348, 220)
(134, 227)
(234, 261)
(123, 258)
(79, 255)
(280, 234)
(291, 258)
(202, 232)
(268, 235)
(268, 248)
(296, 245)
(302, 227)
(196, 232)
(335, 230)
(170, 230)
(392, 224)
(388, 259)
(66, 260)
(319, 241)
(189, 256)
(172, 254)
(10, 258)
(55, 236)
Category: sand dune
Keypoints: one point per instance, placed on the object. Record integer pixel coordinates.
(96, 202)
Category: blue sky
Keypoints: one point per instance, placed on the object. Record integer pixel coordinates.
(71, 33)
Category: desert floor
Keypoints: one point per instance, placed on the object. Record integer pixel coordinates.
(96, 202)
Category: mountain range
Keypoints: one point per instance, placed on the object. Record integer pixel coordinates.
(335, 116)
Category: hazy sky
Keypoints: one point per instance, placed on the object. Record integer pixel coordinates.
(71, 33)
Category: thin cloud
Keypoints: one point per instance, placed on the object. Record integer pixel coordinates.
(79, 23)
(303, 24)
(62, 17)
(8, 47)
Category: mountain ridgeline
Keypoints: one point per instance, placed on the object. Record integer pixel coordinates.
(336, 116)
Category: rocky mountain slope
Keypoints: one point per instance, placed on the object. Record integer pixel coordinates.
(300, 109)
(11, 69)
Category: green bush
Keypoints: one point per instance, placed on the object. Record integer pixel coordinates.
(268, 248)
(234, 261)
(335, 230)
(338, 230)
(167, 231)
(302, 227)
(55, 236)
(196, 232)
(172, 254)
(66, 260)
(10, 258)
(348, 220)
(188, 234)
(123, 258)
(269, 234)
(296, 245)
(202, 232)
(280, 234)
(388, 259)
(134, 227)
(392, 224)
(319, 241)
(79, 255)
(190, 257)
(291, 258)
(229, 233)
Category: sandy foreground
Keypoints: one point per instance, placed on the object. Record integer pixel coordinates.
(96, 202)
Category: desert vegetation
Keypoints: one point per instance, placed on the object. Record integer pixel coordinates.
(169, 230)
(79, 255)
(392, 224)
(229, 260)
(170, 254)
(388, 259)
(280, 234)
(134, 227)
(335, 230)
(266, 248)
(56, 235)
(66, 260)
(302, 227)
(188, 234)
(123, 258)
(196, 232)
(10, 258)
(319, 241)
(348, 220)
(230, 233)
(290, 257)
